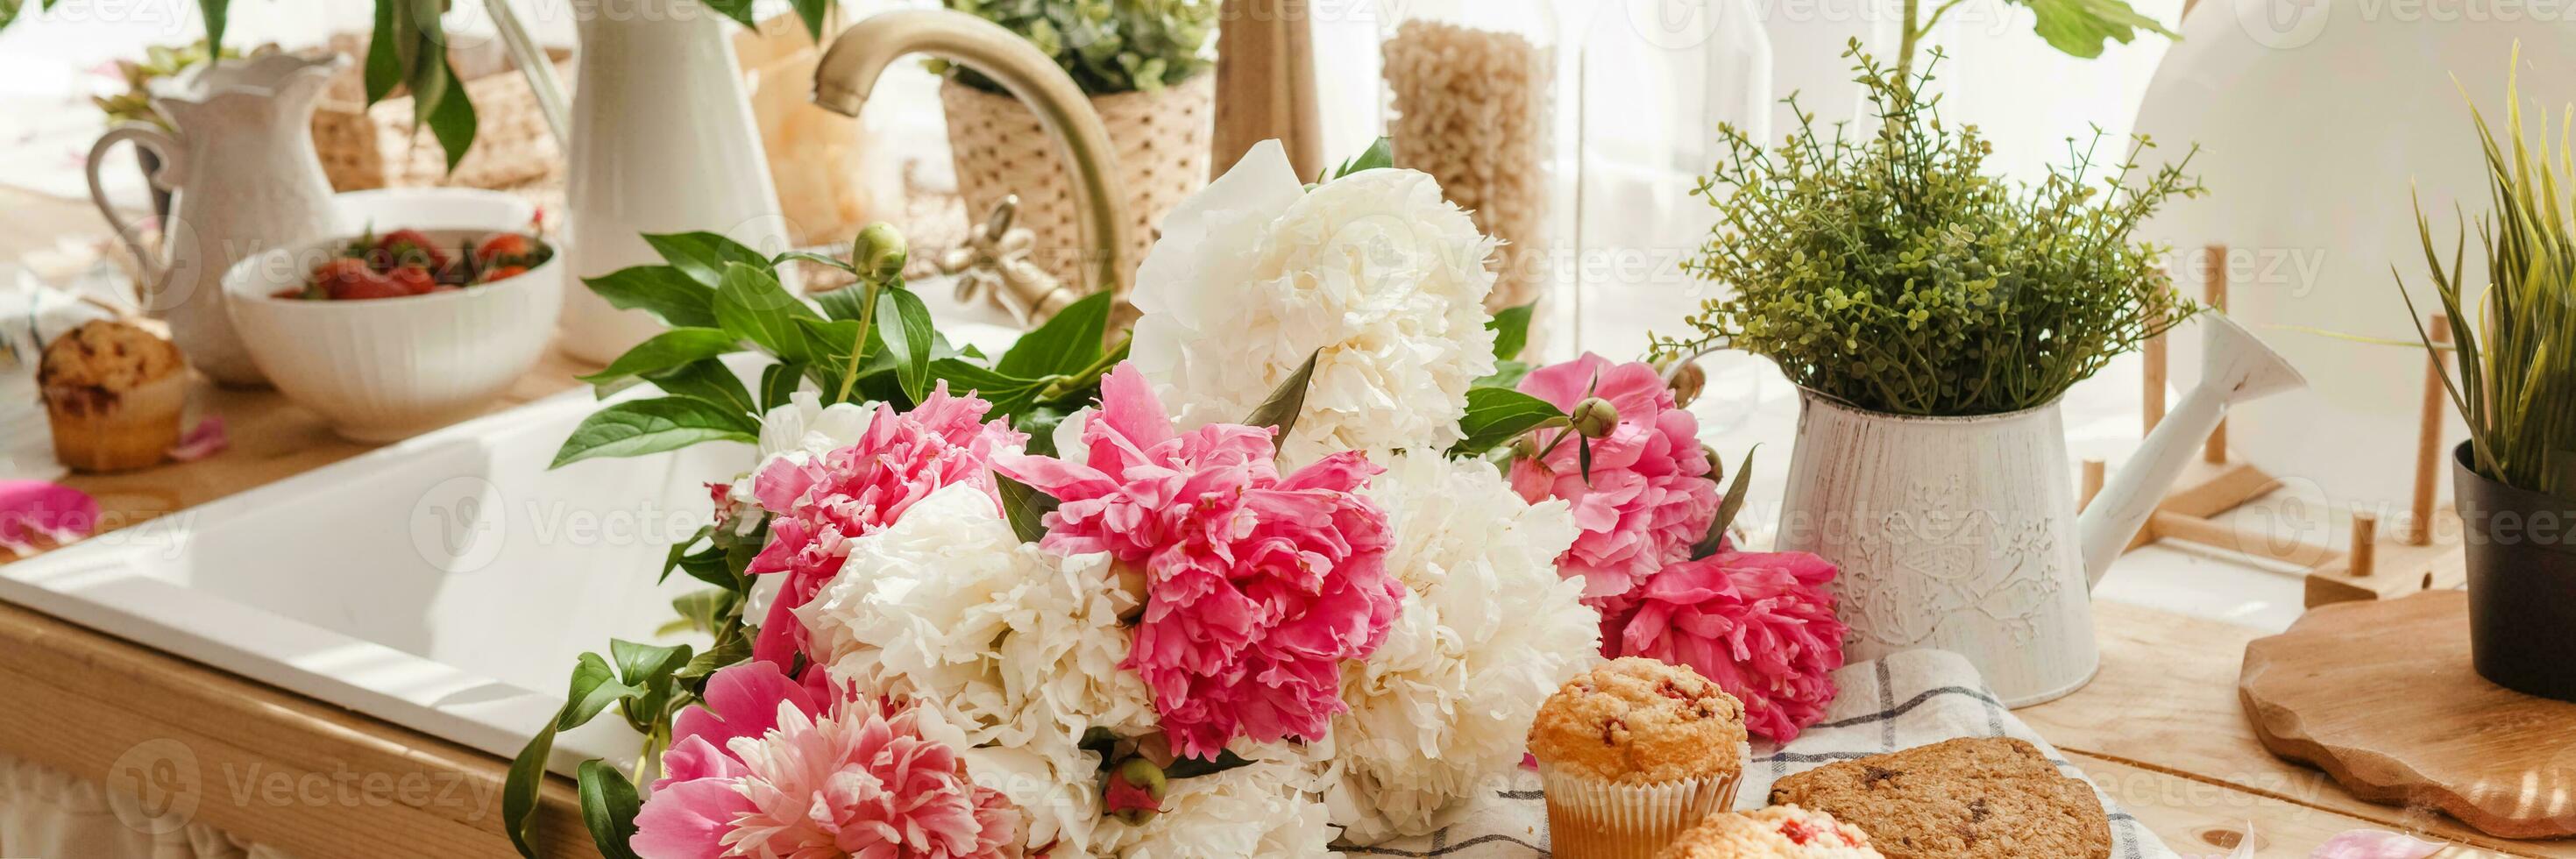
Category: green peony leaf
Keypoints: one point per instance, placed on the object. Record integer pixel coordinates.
(1511, 330)
(384, 62)
(1496, 416)
(1727, 507)
(641, 427)
(1380, 154)
(217, 14)
(777, 382)
(846, 303)
(1280, 410)
(703, 255)
(519, 792)
(1025, 506)
(812, 13)
(452, 120)
(608, 806)
(666, 350)
(661, 290)
(741, 11)
(706, 379)
(750, 304)
(1065, 344)
(594, 687)
(904, 323)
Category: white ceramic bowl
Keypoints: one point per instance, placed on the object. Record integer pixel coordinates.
(389, 368)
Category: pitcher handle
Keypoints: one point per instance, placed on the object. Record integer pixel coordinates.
(172, 173)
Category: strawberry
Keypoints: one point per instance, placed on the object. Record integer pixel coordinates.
(408, 248)
(503, 247)
(371, 287)
(503, 272)
(413, 280)
(336, 276)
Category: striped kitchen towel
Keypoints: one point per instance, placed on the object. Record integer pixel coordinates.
(1905, 700)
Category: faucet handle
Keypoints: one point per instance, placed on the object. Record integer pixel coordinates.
(993, 266)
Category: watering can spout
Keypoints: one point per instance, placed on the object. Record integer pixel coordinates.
(2235, 367)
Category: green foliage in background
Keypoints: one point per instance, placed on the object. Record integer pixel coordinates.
(2076, 27)
(159, 61)
(1895, 273)
(1108, 46)
(2516, 379)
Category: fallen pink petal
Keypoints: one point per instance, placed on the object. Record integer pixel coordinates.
(206, 439)
(34, 510)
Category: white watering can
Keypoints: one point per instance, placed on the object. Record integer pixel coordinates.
(1961, 533)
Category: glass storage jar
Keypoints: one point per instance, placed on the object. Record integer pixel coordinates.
(1471, 93)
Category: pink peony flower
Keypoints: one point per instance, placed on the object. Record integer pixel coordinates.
(1258, 586)
(1649, 497)
(774, 768)
(1760, 624)
(822, 502)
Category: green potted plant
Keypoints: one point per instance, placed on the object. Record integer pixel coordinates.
(1145, 65)
(1933, 314)
(2515, 384)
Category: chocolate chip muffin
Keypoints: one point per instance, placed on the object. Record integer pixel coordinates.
(1959, 799)
(113, 393)
(1631, 754)
(1778, 832)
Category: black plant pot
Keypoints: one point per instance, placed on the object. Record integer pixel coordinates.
(2522, 582)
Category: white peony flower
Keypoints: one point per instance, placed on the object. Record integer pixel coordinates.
(1254, 810)
(1020, 647)
(1442, 710)
(804, 425)
(802, 428)
(1374, 269)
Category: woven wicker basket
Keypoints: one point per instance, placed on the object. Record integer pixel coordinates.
(1000, 149)
(376, 146)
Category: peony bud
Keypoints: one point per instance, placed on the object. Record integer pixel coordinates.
(1134, 792)
(1595, 417)
(1687, 382)
(879, 252)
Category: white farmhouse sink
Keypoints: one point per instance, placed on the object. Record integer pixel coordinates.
(444, 583)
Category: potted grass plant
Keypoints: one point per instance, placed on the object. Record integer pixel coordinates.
(1933, 314)
(2515, 384)
(1144, 63)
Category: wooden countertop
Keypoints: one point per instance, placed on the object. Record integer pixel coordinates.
(272, 439)
(2160, 730)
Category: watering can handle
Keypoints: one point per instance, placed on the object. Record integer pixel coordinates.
(172, 173)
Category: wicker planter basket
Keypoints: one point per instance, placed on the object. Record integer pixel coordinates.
(1162, 142)
(376, 147)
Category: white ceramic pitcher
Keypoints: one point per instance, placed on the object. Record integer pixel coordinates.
(662, 142)
(1962, 534)
(242, 165)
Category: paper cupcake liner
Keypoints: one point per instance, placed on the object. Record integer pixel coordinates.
(132, 433)
(1588, 818)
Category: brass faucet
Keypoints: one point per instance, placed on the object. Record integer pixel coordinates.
(850, 69)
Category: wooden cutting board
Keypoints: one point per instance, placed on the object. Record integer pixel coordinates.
(2382, 697)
